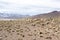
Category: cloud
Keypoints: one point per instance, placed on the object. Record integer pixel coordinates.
(29, 6)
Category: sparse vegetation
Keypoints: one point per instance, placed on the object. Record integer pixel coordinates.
(28, 29)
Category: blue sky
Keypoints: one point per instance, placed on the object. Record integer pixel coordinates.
(31, 7)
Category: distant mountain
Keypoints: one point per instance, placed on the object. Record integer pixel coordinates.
(48, 15)
(12, 16)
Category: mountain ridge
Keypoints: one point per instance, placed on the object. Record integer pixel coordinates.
(52, 14)
(12, 16)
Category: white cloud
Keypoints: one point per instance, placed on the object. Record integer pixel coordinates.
(29, 6)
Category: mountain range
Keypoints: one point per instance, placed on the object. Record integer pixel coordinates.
(12, 16)
(44, 15)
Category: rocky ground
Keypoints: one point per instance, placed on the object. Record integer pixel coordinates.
(30, 29)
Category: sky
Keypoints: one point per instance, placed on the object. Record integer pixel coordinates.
(29, 7)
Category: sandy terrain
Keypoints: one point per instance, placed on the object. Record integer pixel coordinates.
(30, 29)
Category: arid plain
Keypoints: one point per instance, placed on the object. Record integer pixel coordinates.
(30, 29)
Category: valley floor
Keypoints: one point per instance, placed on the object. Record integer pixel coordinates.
(30, 29)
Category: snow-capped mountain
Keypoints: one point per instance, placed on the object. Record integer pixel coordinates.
(6, 15)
